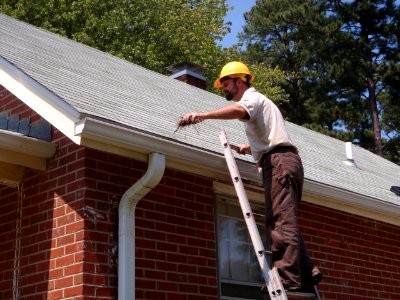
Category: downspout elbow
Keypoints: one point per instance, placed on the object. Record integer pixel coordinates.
(126, 231)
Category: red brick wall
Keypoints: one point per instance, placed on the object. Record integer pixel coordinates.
(192, 81)
(69, 231)
(11, 104)
(68, 238)
(359, 257)
(176, 254)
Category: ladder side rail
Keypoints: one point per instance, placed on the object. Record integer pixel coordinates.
(271, 277)
(246, 209)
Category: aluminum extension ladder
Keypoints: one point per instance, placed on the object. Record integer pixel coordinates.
(271, 276)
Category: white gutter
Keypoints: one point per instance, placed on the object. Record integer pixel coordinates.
(126, 232)
(99, 135)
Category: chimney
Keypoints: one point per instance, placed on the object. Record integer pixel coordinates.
(189, 73)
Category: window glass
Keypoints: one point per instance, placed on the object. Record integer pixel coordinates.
(239, 271)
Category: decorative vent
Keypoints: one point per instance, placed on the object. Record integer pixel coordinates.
(189, 73)
(396, 190)
(41, 129)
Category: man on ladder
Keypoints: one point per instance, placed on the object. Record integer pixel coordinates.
(282, 171)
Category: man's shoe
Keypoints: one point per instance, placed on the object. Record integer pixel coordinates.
(316, 276)
(293, 289)
(264, 289)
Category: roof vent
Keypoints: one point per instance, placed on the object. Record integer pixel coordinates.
(396, 190)
(189, 73)
(349, 154)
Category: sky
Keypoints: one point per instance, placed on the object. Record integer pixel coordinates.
(236, 17)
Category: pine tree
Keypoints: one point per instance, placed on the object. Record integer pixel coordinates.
(342, 59)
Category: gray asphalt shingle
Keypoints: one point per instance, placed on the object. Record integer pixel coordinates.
(100, 85)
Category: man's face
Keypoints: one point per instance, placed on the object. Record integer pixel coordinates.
(229, 88)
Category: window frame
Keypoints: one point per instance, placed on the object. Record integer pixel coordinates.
(223, 283)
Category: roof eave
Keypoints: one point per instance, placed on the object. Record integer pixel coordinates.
(351, 202)
(137, 144)
(129, 142)
(43, 101)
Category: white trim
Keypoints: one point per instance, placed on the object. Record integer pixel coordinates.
(350, 198)
(188, 72)
(40, 99)
(95, 133)
(326, 196)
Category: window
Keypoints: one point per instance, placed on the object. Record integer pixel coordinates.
(239, 272)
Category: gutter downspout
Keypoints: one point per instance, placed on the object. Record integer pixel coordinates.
(126, 232)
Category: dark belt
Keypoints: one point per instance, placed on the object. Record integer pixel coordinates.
(279, 149)
(282, 149)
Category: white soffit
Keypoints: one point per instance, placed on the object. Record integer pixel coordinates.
(18, 151)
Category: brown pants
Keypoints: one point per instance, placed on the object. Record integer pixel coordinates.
(283, 178)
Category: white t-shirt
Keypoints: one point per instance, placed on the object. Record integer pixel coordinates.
(265, 129)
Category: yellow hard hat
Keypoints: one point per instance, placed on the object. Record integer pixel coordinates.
(234, 69)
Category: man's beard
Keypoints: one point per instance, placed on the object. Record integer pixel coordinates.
(228, 96)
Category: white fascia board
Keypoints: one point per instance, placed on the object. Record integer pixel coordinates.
(348, 201)
(98, 134)
(104, 136)
(48, 105)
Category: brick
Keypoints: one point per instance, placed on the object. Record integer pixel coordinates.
(94, 279)
(146, 284)
(64, 282)
(167, 286)
(55, 295)
(155, 275)
(75, 226)
(64, 261)
(175, 296)
(155, 295)
(73, 291)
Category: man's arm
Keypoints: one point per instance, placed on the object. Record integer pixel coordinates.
(234, 111)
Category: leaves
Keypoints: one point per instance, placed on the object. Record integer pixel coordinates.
(343, 57)
(151, 33)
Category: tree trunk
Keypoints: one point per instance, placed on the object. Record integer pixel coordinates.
(375, 118)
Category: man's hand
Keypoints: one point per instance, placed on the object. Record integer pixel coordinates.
(192, 118)
(242, 148)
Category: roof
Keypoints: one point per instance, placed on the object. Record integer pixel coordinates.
(82, 83)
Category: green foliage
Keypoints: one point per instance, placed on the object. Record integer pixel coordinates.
(345, 61)
(267, 81)
(151, 33)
